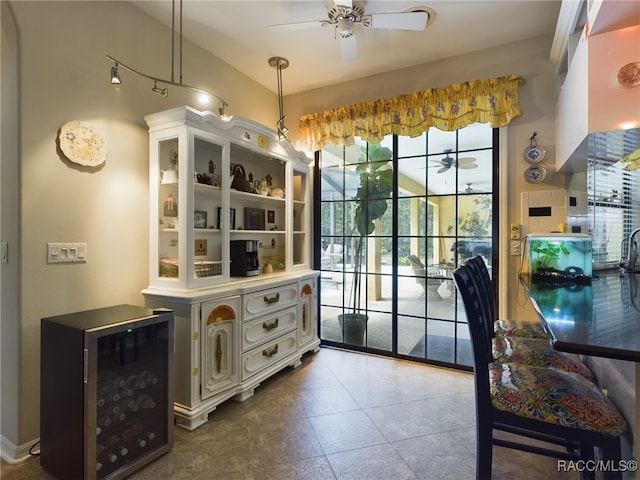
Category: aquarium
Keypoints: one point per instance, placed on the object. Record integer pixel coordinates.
(558, 258)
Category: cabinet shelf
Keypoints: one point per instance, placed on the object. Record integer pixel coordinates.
(255, 197)
(258, 231)
(204, 188)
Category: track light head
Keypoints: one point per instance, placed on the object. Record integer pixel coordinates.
(115, 75)
(283, 131)
(224, 115)
(163, 92)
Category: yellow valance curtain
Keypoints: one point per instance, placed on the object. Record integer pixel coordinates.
(493, 101)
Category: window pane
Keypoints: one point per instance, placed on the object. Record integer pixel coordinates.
(409, 147)
(474, 136)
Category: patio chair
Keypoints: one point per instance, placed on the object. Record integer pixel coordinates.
(533, 403)
(419, 271)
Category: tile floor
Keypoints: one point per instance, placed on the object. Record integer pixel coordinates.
(340, 415)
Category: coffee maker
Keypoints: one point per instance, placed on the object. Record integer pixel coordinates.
(244, 258)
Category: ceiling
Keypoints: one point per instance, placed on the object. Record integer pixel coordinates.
(240, 32)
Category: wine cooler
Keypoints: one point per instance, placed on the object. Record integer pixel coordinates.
(106, 391)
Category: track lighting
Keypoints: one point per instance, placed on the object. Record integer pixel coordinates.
(163, 92)
(279, 63)
(283, 131)
(115, 75)
(223, 114)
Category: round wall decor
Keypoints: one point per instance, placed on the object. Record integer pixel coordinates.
(535, 174)
(534, 153)
(81, 144)
(629, 75)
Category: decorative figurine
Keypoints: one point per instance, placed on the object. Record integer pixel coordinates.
(171, 206)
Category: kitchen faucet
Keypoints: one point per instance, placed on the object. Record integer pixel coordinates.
(632, 251)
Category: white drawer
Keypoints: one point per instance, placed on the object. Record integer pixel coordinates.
(262, 357)
(271, 300)
(266, 327)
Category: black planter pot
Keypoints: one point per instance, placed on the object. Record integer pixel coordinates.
(354, 327)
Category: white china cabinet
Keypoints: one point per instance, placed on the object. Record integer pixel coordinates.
(229, 253)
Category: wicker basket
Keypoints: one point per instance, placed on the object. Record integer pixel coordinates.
(168, 267)
(206, 268)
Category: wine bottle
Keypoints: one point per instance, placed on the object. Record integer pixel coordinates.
(104, 455)
(115, 443)
(136, 382)
(149, 378)
(104, 421)
(145, 402)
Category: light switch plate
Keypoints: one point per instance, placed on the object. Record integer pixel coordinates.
(66, 252)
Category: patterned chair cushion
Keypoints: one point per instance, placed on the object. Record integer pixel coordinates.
(553, 396)
(516, 328)
(537, 353)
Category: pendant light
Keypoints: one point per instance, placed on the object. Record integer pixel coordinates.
(280, 63)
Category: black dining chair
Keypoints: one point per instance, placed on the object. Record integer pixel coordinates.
(537, 352)
(505, 327)
(565, 411)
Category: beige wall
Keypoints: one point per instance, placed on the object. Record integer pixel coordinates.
(63, 76)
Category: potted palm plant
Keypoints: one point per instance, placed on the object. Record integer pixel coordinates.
(374, 191)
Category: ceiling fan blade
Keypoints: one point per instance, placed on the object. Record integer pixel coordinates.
(349, 49)
(298, 25)
(466, 160)
(467, 166)
(400, 20)
(443, 169)
(343, 3)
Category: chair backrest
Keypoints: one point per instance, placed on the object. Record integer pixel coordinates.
(416, 265)
(477, 321)
(483, 279)
(415, 261)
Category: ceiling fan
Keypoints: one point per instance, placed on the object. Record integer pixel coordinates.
(445, 163)
(344, 15)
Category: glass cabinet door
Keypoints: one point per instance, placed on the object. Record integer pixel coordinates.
(207, 221)
(300, 220)
(190, 213)
(167, 263)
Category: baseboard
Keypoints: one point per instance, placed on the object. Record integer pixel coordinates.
(12, 453)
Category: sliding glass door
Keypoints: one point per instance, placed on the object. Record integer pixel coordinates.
(439, 211)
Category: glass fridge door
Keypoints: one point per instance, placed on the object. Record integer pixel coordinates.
(129, 396)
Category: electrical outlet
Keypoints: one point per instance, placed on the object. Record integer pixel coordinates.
(515, 247)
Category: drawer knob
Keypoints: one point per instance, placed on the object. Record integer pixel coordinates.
(270, 326)
(270, 353)
(270, 300)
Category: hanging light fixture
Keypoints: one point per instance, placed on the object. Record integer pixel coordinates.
(280, 63)
(115, 74)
